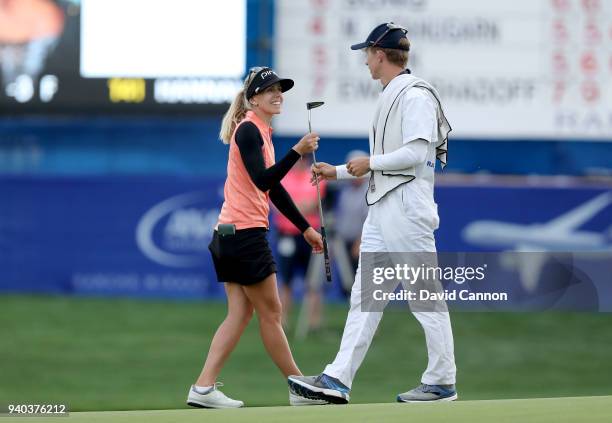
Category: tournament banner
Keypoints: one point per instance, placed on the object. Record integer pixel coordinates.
(110, 236)
(505, 70)
(148, 236)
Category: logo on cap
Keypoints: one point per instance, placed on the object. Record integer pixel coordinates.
(263, 78)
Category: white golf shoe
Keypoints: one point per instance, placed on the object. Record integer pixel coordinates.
(296, 399)
(213, 398)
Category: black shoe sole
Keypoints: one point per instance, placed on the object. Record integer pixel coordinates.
(307, 393)
(196, 405)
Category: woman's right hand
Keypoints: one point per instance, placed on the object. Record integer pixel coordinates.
(308, 144)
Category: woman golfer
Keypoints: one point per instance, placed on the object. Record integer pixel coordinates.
(239, 248)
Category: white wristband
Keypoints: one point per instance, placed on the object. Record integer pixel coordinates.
(342, 173)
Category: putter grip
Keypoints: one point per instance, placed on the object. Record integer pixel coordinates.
(326, 255)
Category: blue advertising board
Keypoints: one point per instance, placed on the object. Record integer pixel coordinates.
(131, 236)
(148, 236)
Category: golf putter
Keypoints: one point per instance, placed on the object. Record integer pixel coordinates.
(309, 106)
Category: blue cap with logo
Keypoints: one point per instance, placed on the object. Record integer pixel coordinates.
(386, 35)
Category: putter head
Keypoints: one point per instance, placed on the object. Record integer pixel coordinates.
(314, 104)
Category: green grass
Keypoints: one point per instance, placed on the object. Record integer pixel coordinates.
(552, 410)
(101, 354)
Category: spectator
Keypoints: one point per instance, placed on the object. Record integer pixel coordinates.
(294, 254)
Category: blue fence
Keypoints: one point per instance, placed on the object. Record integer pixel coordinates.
(148, 236)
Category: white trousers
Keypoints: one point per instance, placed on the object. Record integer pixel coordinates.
(394, 226)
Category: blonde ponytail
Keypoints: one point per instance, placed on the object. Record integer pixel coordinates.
(238, 109)
(233, 116)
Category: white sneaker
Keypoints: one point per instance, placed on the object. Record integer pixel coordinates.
(297, 400)
(213, 398)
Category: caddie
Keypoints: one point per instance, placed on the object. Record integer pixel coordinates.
(408, 133)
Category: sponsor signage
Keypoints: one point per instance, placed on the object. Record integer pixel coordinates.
(149, 236)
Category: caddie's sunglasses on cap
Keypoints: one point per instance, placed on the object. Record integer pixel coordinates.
(390, 27)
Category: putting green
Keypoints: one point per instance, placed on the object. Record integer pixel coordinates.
(544, 410)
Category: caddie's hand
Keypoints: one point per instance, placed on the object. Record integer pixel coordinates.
(308, 144)
(359, 166)
(324, 171)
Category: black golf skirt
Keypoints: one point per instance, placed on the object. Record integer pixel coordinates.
(244, 257)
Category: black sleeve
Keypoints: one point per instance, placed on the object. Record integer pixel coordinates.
(283, 202)
(249, 142)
